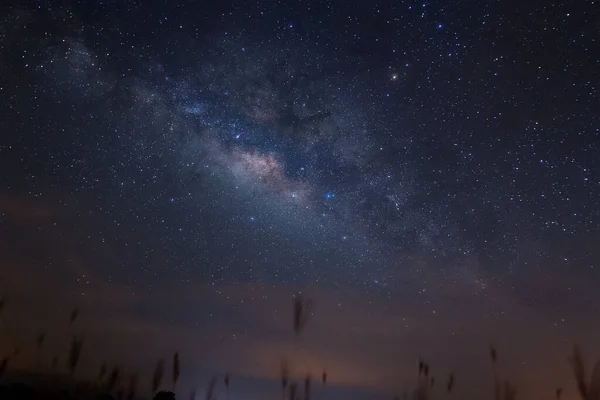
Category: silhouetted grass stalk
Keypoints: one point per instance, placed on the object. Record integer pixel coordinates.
(210, 389)
(176, 370)
(226, 383)
(284, 374)
(40, 340)
(158, 374)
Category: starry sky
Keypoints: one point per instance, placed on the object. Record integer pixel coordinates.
(427, 172)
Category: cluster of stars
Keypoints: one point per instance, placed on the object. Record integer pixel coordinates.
(420, 138)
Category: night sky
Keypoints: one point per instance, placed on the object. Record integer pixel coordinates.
(426, 172)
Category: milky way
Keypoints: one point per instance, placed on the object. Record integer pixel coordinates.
(358, 151)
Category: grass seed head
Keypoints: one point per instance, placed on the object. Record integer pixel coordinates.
(176, 369)
(284, 373)
(74, 353)
(158, 375)
(74, 315)
(493, 354)
(450, 385)
(210, 389)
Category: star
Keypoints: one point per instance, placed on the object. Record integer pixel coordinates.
(208, 157)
